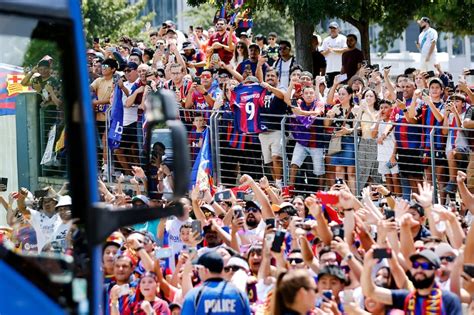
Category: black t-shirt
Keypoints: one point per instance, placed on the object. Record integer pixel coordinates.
(450, 302)
(273, 106)
(470, 132)
(319, 62)
(271, 53)
(350, 60)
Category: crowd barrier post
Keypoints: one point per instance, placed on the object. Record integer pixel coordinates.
(43, 131)
(106, 144)
(215, 147)
(356, 156)
(283, 149)
(433, 165)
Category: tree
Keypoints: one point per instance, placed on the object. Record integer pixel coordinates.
(450, 16)
(113, 18)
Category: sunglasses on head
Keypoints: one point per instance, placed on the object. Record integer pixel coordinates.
(233, 268)
(423, 265)
(105, 66)
(295, 261)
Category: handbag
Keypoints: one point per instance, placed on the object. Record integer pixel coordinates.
(335, 145)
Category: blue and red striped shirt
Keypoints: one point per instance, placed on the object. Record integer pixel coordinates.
(407, 137)
(246, 102)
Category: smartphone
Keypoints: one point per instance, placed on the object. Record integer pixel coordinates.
(238, 213)
(381, 253)
(3, 183)
(430, 74)
(471, 72)
(342, 77)
(285, 190)
(215, 58)
(365, 63)
(40, 193)
(376, 67)
(304, 226)
(469, 269)
(328, 294)
(196, 227)
(124, 289)
(337, 231)
(278, 241)
(425, 92)
(298, 88)
(197, 80)
(271, 222)
(327, 198)
(339, 181)
(201, 194)
(248, 197)
(222, 195)
(96, 40)
(389, 213)
(163, 253)
(400, 95)
(240, 195)
(387, 67)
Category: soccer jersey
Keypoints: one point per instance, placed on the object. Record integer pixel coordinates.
(246, 103)
(407, 137)
(429, 120)
(308, 130)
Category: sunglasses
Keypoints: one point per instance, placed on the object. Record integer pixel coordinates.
(233, 268)
(423, 265)
(254, 210)
(295, 261)
(128, 70)
(271, 38)
(105, 66)
(205, 76)
(447, 258)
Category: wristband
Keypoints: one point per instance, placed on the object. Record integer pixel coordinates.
(388, 195)
(205, 93)
(348, 257)
(212, 202)
(138, 249)
(348, 209)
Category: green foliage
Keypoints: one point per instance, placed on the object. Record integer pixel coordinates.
(451, 16)
(39, 48)
(113, 18)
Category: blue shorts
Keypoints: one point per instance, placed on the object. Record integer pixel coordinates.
(347, 156)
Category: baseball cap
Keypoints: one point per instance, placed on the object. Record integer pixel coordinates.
(259, 37)
(210, 260)
(333, 25)
(251, 79)
(444, 248)
(278, 208)
(188, 45)
(458, 96)
(132, 65)
(307, 74)
(137, 51)
(428, 255)
(50, 194)
(425, 19)
(44, 63)
(254, 46)
(64, 201)
(334, 271)
(116, 239)
(209, 208)
(252, 204)
(141, 198)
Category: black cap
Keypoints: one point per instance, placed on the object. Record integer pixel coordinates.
(259, 37)
(188, 45)
(428, 255)
(211, 260)
(254, 46)
(44, 63)
(335, 271)
(132, 65)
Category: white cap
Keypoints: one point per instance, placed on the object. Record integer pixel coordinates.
(64, 201)
(237, 261)
(444, 248)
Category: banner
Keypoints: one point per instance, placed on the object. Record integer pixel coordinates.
(202, 169)
(116, 120)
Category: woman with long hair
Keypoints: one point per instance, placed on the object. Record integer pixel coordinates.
(367, 158)
(241, 52)
(147, 300)
(294, 293)
(341, 118)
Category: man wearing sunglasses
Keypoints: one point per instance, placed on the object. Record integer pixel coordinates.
(203, 93)
(427, 298)
(222, 41)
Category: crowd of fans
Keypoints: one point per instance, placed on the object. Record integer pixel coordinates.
(254, 246)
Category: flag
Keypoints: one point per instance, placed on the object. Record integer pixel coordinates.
(116, 120)
(202, 169)
(14, 84)
(222, 12)
(238, 3)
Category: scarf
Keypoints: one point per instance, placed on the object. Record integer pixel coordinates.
(431, 305)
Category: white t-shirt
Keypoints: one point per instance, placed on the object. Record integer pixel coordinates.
(425, 39)
(385, 150)
(174, 241)
(284, 69)
(44, 226)
(334, 60)
(130, 114)
(60, 233)
(257, 233)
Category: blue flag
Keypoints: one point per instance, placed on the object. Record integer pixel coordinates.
(116, 120)
(202, 169)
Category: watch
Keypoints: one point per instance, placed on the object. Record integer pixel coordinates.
(205, 93)
(348, 257)
(405, 110)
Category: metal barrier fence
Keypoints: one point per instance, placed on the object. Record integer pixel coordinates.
(52, 159)
(358, 163)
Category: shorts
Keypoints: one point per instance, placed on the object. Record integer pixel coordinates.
(271, 145)
(440, 158)
(347, 156)
(129, 136)
(384, 170)
(410, 163)
(317, 155)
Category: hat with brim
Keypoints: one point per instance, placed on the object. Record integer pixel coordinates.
(211, 260)
(444, 248)
(334, 271)
(283, 205)
(252, 204)
(239, 262)
(429, 255)
(64, 201)
(208, 208)
(251, 79)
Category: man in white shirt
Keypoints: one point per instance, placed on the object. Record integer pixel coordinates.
(284, 64)
(63, 208)
(332, 48)
(427, 44)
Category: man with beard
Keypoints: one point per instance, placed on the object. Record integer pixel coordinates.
(427, 298)
(254, 225)
(120, 294)
(447, 255)
(222, 41)
(426, 44)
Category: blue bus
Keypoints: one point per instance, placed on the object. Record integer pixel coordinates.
(49, 136)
